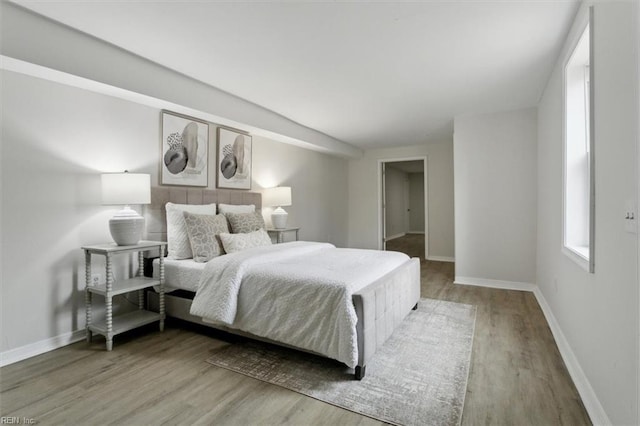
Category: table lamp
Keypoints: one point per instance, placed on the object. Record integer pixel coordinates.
(278, 197)
(126, 188)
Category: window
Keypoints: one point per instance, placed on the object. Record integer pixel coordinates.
(578, 162)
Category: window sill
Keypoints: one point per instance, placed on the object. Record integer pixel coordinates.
(579, 254)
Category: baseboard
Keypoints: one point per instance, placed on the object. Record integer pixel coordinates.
(441, 258)
(32, 349)
(589, 399)
(505, 285)
(393, 237)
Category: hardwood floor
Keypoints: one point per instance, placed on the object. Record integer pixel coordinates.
(517, 376)
(411, 244)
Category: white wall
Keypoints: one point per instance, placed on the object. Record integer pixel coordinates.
(56, 140)
(318, 190)
(440, 196)
(495, 196)
(637, 201)
(363, 195)
(416, 202)
(395, 190)
(597, 313)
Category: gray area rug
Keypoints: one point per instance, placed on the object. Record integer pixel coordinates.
(419, 376)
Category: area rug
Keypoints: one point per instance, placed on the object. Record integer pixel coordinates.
(419, 376)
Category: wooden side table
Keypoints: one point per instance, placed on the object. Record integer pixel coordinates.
(121, 323)
(279, 233)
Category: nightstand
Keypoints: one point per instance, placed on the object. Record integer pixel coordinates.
(121, 323)
(279, 232)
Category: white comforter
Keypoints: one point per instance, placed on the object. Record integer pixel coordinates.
(298, 293)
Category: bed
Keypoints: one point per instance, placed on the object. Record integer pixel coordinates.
(382, 288)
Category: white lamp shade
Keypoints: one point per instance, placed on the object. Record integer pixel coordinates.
(278, 196)
(126, 188)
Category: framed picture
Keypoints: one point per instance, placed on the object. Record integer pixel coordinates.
(185, 144)
(234, 159)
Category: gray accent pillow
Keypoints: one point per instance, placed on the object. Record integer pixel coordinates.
(204, 234)
(242, 223)
(237, 242)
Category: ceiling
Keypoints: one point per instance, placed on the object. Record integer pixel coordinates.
(369, 73)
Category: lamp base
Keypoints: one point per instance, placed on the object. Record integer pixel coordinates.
(279, 218)
(126, 227)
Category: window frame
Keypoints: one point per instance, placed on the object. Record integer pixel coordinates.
(573, 252)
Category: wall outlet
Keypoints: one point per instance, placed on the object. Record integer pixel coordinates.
(630, 217)
(96, 279)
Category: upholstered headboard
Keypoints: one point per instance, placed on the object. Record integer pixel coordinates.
(156, 215)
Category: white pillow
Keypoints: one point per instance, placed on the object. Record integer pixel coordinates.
(178, 246)
(233, 208)
(238, 242)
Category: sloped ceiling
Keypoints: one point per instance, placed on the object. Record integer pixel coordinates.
(372, 74)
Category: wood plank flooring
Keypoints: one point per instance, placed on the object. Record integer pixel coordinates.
(517, 376)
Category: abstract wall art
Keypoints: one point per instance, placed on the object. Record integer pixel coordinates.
(185, 143)
(234, 159)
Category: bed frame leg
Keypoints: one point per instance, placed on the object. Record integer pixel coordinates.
(360, 371)
(415, 308)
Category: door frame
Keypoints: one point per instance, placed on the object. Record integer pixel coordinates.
(381, 206)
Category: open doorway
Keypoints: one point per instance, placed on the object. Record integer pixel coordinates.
(403, 214)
